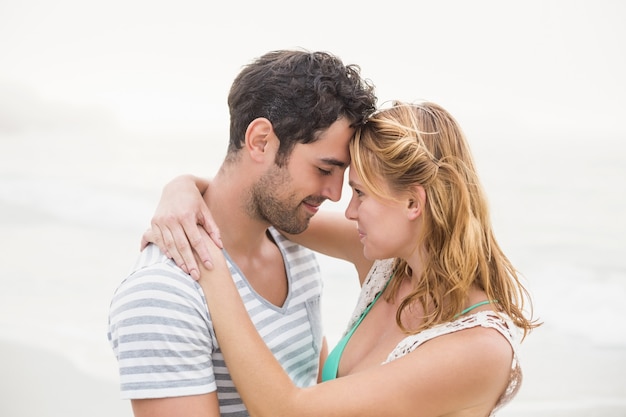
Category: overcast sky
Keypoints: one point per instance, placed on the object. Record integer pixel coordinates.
(159, 65)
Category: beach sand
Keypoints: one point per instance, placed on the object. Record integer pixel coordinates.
(37, 382)
(564, 374)
(563, 377)
(58, 279)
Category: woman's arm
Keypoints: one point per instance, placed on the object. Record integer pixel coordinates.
(182, 221)
(466, 370)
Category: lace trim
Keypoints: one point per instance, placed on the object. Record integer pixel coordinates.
(487, 319)
(374, 283)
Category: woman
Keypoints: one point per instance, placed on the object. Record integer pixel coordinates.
(441, 311)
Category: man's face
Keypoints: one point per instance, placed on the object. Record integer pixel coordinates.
(287, 197)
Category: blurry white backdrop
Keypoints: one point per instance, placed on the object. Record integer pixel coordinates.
(101, 103)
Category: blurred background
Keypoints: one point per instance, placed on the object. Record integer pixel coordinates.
(102, 103)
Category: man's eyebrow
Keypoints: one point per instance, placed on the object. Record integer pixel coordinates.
(333, 161)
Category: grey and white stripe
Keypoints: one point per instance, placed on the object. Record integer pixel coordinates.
(161, 332)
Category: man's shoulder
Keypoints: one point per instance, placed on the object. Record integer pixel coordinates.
(154, 276)
(151, 262)
(152, 257)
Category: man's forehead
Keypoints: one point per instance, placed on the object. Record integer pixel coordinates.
(326, 152)
(352, 174)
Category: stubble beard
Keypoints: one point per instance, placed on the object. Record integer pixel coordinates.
(266, 202)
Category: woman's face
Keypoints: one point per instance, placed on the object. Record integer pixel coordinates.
(386, 228)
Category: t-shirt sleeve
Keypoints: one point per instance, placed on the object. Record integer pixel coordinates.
(159, 331)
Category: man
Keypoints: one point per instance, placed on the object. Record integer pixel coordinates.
(292, 116)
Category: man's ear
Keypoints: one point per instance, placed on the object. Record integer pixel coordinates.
(260, 138)
(416, 202)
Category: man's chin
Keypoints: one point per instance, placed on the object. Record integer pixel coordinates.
(293, 228)
(301, 228)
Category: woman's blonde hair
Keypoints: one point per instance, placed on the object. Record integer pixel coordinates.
(412, 144)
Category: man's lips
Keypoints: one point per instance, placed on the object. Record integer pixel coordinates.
(313, 207)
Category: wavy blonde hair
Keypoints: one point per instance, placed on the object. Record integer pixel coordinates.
(412, 144)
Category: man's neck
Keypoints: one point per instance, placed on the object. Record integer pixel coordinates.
(245, 238)
(227, 199)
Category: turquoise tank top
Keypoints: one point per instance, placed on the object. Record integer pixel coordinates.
(331, 366)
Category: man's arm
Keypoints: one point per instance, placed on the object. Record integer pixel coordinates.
(205, 405)
(333, 235)
(160, 333)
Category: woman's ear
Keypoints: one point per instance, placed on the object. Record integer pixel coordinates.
(416, 202)
(259, 137)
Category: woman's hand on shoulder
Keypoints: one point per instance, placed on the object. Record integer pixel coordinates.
(182, 224)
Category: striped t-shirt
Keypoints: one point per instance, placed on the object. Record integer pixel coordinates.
(162, 336)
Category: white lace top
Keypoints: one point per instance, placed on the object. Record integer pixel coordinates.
(374, 283)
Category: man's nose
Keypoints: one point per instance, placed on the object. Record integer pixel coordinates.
(332, 189)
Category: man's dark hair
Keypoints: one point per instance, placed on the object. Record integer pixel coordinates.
(301, 94)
